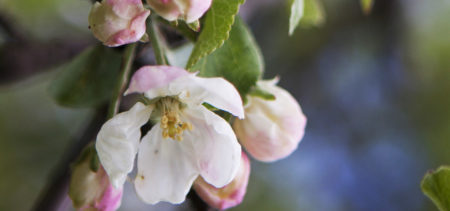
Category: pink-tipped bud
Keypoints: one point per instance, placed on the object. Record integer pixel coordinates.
(271, 129)
(118, 22)
(90, 190)
(187, 10)
(229, 195)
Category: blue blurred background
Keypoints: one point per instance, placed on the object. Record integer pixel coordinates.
(375, 89)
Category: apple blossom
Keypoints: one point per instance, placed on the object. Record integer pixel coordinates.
(229, 195)
(272, 129)
(118, 22)
(187, 139)
(91, 190)
(188, 10)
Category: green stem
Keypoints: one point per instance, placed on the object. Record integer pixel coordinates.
(182, 28)
(157, 43)
(127, 62)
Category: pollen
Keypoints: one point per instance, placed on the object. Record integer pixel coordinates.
(171, 124)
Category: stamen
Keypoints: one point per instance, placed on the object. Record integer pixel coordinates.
(171, 122)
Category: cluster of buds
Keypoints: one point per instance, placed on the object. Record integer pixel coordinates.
(119, 22)
(271, 129)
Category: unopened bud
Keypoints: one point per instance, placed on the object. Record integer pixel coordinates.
(187, 10)
(271, 129)
(90, 190)
(118, 22)
(229, 195)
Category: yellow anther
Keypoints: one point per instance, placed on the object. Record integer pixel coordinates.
(164, 120)
(179, 130)
(165, 133)
(171, 123)
(187, 125)
(179, 138)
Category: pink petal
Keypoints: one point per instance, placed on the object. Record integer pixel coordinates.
(230, 195)
(153, 77)
(111, 199)
(215, 146)
(132, 34)
(271, 130)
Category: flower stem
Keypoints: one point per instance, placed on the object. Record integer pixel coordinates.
(128, 58)
(157, 42)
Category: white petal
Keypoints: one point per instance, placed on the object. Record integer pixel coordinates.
(215, 91)
(118, 140)
(166, 168)
(216, 147)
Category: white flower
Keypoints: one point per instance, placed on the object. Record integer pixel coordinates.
(272, 129)
(187, 141)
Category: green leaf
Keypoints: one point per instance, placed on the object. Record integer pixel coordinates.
(257, 92)
(297, 9)
(314, 14)
(436, 185)
(239, 60)
(216, 28)
(88, 80)
(366, 6)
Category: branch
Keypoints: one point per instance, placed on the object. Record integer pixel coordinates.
(157, 43)
(127, 63)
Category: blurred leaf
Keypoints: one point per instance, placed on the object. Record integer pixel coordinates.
(216, 28)
(366, 6)
(88, 79)
(239, 60)
(436, 185)
(34, 134)
(297, 8)
(314, 14)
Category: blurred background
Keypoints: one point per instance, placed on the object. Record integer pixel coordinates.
(375, 89)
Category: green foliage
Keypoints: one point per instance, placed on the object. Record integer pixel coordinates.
(366, 5)
(88, 79)
(436, 185)
(216, 29)
(314, 14)
(257, 92)
(297, 8)
(305, 13)
(34, 134)
(239, 60)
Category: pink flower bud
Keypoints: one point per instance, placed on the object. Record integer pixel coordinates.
(91, 190)
(271, 129)
(118, 22)
(229, 195)
(188, 10)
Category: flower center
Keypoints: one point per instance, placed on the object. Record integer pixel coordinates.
(171, 123)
